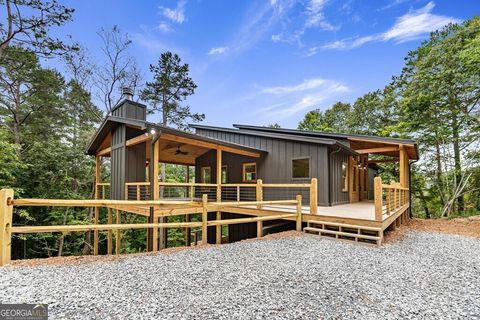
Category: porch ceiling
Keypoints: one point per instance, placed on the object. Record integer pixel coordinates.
(390, 149)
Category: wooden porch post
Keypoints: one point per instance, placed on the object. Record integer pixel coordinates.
(313, 196)
(6, 213)
(218, 228)
(156, 191)
(98, 164)
(377, 183)
(204, 219)
(109, 232)
(403, 166)
(299, 213)
(118, 234)
(259, 192)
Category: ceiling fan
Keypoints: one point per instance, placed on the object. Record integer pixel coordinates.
(178, 151)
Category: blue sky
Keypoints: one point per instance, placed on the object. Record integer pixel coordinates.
(261, 62)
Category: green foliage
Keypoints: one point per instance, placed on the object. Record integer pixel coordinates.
(435, 100)
(170, 86)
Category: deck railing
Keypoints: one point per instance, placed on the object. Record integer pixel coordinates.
(8, 202)
(238, 192)
(103, 190)
(389, 198)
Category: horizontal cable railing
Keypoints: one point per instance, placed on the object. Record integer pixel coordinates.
(102, 190)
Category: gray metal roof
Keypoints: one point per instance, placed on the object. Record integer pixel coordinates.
(292, 137)
(325, 134)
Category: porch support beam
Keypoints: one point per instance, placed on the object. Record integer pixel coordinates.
(377, 150)
(403, 167)
(209, 145)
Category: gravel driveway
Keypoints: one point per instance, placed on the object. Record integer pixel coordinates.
(424, 276)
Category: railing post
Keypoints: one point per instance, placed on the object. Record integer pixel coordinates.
(118, 234)
(259, 229)
(138, 192)
(238, 193)
(299, 212)
(313, 196)
(377, 183)
(109, 232)
(259, 192)
(204, 218)
(192, 192)
(6, 213)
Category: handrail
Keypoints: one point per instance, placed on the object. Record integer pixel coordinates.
(7, 202)
(389, 198)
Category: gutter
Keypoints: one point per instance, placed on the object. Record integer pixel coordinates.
(410, 185)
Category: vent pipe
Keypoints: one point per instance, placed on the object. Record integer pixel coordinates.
(127, 93)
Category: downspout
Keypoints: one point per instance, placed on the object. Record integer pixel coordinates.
(330, 175)
(155, 138)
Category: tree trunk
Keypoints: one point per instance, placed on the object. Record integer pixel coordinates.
(458, 164)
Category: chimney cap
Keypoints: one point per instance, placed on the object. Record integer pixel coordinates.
(127, 93)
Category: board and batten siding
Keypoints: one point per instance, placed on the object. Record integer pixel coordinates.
(338, 196)
(276, 166)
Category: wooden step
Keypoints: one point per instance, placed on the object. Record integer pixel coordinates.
(363, 234)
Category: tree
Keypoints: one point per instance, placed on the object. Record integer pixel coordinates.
(28, 22)
(27, 91)
(118, 69)
(439, 85)
(171, 85)
(334, 119)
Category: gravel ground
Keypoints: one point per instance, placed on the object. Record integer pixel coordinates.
(424, 276)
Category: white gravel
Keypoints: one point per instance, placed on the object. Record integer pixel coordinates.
(425, 276)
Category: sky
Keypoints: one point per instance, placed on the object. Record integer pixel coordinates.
(270, 61)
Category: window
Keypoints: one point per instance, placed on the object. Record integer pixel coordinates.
(345, 176)
(301, 168)
(224, 174)
(205, 175)
(249, 172)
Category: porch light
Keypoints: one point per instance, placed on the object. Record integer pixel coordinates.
(152, 131)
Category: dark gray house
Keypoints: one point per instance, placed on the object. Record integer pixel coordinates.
(241, 163)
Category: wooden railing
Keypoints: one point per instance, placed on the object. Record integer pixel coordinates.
(7, 203)
(238, 192)
(389, 198)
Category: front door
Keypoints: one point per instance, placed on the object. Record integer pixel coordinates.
(353, 179)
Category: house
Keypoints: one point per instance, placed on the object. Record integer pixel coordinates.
(333, 172)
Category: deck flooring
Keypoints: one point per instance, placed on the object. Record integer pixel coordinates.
(359, 210)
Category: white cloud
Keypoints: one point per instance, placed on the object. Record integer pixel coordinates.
(316, 17)
(177, 14)
(218, 50)
(286, 101)
(276, 37)
(410, 26)
(164, 27)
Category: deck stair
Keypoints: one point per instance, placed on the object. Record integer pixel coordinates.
(363, 234)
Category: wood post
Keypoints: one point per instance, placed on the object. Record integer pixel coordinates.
(156, 192)
(188, 231)
(109, 232)
(259, 192)
(218, 229)
(98, 164)
(377, 186)
(299, 213)
(95, 233)
(238, 193)
(6, 215)
(118, 233)
(313, 196)
(259, 229)
(204, 218)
